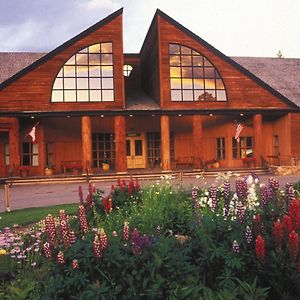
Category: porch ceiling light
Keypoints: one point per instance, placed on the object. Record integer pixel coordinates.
(102, 116)
(179, 115)
(211, 115)
(130, 116)
(241, 115)
(31, 117)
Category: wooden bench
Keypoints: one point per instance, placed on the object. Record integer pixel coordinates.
(70, 165)
(249, 161)
(185, 161)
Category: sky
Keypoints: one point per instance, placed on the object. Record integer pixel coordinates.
(235, 27)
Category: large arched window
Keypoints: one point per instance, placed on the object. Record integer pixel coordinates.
(87, 76)
(193, 77)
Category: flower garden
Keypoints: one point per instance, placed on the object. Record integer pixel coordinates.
(158, 242)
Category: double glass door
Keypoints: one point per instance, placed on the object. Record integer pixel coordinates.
(135, 151)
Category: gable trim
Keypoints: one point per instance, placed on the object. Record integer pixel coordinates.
(225, 58)
(60, 48)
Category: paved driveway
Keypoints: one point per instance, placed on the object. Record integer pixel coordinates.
(38, 195)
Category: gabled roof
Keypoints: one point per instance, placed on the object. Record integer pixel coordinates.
(232, 62)
(61, 48)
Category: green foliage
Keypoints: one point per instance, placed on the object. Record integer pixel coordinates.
(32, 215)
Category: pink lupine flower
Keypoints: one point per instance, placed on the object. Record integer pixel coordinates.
(126, 232)
(82, 219)
(97, 247)
(60, 258)
(50, 228)
(75, 264)
(47, 250)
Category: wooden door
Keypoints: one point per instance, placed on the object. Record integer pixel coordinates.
(136, 151)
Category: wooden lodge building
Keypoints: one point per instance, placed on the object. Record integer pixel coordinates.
(176, 104)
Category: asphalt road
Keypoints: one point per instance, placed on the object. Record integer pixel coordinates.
(39, 195)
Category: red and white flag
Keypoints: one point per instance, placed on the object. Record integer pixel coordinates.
(238, 131)
(32, 133)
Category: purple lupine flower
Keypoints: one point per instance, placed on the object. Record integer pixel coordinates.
(248, 235)
(136, 242)
(240, 210)
(241, 189)
(197, 212)
(226, 197)
(235, 247)
(264, 196)
(273, 185)
(212, 191)
(289, 194)
(194, 192)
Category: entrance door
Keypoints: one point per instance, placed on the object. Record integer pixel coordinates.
(4, 153)
(135, 151)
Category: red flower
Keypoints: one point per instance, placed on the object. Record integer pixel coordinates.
(293, 244)
(103, 239)
(107, 203)
(294, 213)
(287, 224)
(277, 234)
(260, 247)
(130, 187)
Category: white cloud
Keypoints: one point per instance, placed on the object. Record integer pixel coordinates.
(100, 4)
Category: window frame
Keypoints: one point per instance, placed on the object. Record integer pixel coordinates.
(192, 87)
(244, 148)
(220, 148)
(32, 154)
(80, 88)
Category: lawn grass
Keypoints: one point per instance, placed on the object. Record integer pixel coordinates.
(32, 215)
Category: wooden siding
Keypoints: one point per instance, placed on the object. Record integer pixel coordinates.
(242, 92)
(295, 128)
(32, 92)
(150, 64)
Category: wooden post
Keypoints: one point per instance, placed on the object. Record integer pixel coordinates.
(14, 146)
(7, 197)
(86, 136)
(165, 143)
(197, 141)
(258, 141)
(120, 142)
(42, 148)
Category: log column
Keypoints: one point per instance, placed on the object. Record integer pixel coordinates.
(42, 147)
(258, 139)
(197, 141)
(120, 142)
(165, 143)
(86, 138)
(14, 145)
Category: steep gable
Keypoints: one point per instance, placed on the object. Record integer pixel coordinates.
(244, 89)
(31, 87)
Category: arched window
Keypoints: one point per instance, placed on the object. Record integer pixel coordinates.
(87, 76)
(127, 70)
(193, 77)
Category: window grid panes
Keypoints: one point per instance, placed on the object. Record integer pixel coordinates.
(30, 154)
(50, 154)
(244, 148)
(87, 76)
(103, 147)
(221, 154)
(193, 77)
(6, 150)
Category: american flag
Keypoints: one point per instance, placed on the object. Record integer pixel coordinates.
(238, 131)
(32, 133)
